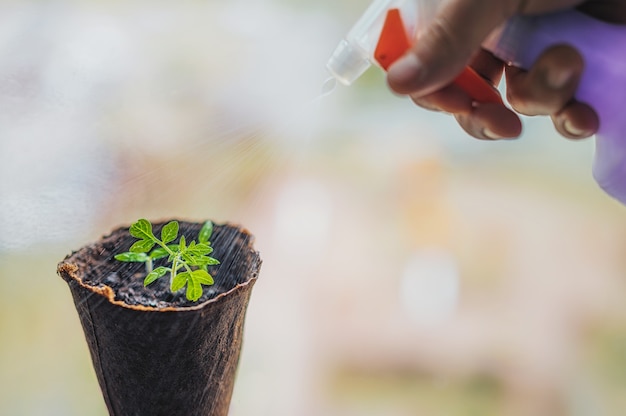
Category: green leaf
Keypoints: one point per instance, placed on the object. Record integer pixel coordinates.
(159, 253)
(142, 229)
(199, 249)
(205, 232)
(203, 261)
(203, 277)
(155, 274)
(179, 281)
(142, 246)
(194, 290)
(169, 232)
(132, 257)
(182, 244)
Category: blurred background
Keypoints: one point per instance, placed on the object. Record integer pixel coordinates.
(408, 269)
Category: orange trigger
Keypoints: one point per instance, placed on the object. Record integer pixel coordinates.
(393, 41)
(477, 87)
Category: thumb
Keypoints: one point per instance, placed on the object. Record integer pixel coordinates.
(446, 45)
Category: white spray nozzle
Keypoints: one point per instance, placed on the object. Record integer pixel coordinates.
(348, 62)
(354, 54)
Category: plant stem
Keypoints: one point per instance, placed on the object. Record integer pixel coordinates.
(164, 246)
(173, 272)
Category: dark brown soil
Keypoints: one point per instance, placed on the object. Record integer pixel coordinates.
(126, 279)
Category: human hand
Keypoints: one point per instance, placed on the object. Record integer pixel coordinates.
(453, 40)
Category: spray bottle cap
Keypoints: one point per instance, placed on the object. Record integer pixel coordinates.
(355, 53)
(348, 62)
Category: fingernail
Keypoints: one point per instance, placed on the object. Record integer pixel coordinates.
(573, 130)
(559, 77)
(491, 135)
(406, 69)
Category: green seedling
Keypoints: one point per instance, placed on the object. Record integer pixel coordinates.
(188, 261)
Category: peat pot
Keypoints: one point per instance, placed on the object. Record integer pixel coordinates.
(154, 352)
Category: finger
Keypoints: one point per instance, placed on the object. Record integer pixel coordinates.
(490, 121)
(488, 66)
(450, 99)
(549, 85)
(576, 121)
(446, 46)
(453, 99)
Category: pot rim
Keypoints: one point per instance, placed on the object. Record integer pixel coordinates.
(69, 271)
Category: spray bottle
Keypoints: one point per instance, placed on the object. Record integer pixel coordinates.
(385, 32)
